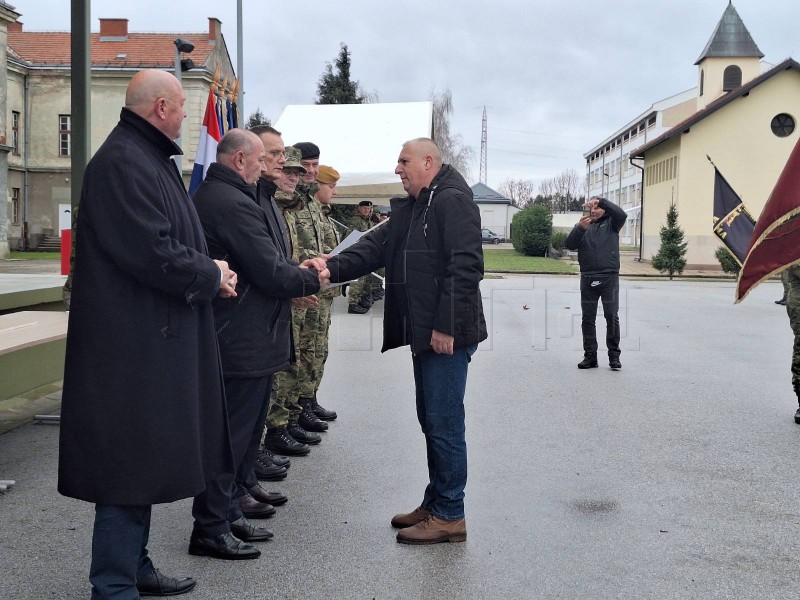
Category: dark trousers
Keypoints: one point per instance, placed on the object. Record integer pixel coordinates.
(119, 551)
(606, 289)
(214, 509)
(245, 475)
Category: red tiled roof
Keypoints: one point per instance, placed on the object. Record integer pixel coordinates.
(139, 49)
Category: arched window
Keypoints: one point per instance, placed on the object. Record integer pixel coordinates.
(702, 81)
(732, 78)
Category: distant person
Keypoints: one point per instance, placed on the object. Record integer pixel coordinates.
(596, 238)
(236, 228)
(785, 283)
(431, 248)
(143, 414)
(361, 292)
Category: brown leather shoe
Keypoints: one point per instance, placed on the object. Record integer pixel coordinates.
(408, 519)
(433, 531)
(253, 509)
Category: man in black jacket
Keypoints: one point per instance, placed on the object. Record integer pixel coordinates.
(596, 238)
(431, 248)
(252, 339)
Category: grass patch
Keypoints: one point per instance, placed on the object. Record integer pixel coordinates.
(624, 248)
(35, 256)
(511, 260)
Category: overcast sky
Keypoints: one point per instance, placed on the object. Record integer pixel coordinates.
(556, 77)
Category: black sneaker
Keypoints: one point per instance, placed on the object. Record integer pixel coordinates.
(614, 364)
(301, 435)
(279, 441)
(588, 362)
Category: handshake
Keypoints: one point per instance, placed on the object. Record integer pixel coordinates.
(324, 275)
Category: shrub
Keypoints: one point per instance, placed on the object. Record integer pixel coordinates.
(532, 229)
(557, 240)
(726, 260)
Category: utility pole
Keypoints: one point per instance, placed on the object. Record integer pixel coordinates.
(240, 62)
(482, 176)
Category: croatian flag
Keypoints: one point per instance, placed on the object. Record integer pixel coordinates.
(207, 147)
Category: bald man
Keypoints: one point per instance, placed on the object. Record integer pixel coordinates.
(431, 248)
(252, 343)
(142, 416)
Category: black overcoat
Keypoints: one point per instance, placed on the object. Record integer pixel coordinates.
(143, 417)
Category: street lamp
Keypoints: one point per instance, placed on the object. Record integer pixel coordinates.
(604, 187)
(182, 64)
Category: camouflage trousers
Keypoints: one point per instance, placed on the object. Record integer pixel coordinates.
(793, 309)
(284, 403)
(317, 367)
(364, 287)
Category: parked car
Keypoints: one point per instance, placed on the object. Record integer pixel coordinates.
(490, 237)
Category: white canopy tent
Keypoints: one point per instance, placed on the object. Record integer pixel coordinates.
(361, 141)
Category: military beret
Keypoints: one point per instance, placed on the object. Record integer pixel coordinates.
(307, 150)
(365, 203)
(327, 174)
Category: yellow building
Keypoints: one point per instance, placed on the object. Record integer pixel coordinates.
(38, 110)
(660, 155)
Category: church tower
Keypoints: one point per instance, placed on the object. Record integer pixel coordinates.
(729, 59)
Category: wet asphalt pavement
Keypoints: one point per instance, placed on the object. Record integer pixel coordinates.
(673, 478)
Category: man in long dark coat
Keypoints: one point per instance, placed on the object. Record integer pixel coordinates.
(143, 416)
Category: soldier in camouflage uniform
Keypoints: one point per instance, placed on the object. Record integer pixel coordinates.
(792, 279)
(284, 406)
(326, 184)
(363, 292)
(317, 240)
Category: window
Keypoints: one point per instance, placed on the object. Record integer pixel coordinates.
(702, 81)
(782, 125)
(64, 135)
(732, 78)
(15, 206)
(15, 132)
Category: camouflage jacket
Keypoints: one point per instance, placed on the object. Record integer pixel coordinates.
(358, 223)
(308, 223)
(290, 205)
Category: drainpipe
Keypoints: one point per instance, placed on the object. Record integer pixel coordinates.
(26, 140)
(641, 210)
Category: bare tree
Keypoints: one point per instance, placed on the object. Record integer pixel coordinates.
(454, 151)
(519, 191)
(561, 191)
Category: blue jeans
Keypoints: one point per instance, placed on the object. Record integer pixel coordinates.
(119, 551)
(441, 380)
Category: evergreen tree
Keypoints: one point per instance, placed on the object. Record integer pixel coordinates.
(337, 88)
(257, 118)
(671, 255)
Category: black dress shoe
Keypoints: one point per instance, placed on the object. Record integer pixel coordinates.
(308, 420)
(268, 457)
(266, 472)
(250, 532)
(225, 546)
(155, 583)
(254, 509)
(262, 495)
(588, 362)
(279, 441)
(323, 413)
(301, 435)
(614, 364)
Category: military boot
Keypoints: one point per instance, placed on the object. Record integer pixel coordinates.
(279, 441)
(357, 309)
(589, 362)
(268, 457)
(301, 435)
(308, 420)
(323, 413)
(378, 294)
(796, 386)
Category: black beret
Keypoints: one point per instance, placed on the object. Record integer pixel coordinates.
(307, 150)
(365, 203)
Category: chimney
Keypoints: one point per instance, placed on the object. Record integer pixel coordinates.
(214, 29)
(113, 30)
(15, 27)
